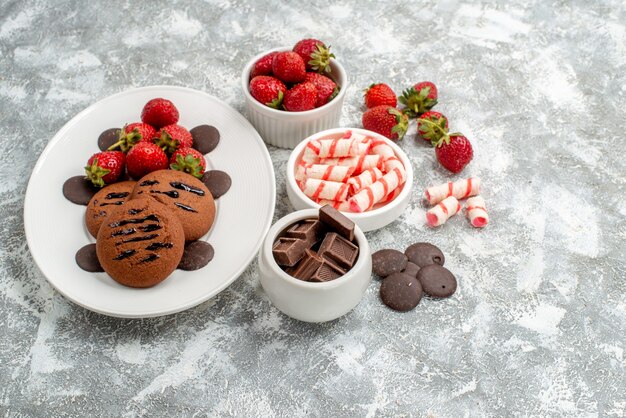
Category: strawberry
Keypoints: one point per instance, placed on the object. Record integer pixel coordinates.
(326, 88)
(145, 158)
(159, 113)
(380, 94)
(419, 98)
(453, 151)
(189, 161)
(387, 121)
(173, 137)
(288, 67)
(263, 66)
(300, 97)
(105, 167)
(268, 90)
(315, 55)
(431, 126)
(132, 134)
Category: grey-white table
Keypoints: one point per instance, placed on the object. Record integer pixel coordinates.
(538, 324)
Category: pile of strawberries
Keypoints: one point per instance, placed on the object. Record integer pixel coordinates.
(453, 150)
(155, 143)
(294, 80)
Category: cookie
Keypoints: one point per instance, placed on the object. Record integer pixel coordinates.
(102, 202)
(437, 281)
(386, 262)
(401, 292)
(140, 243)
(423, 254)
(185, 195)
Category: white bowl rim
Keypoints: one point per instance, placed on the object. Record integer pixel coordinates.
(245, 78)
(406, 189)
(299, 215)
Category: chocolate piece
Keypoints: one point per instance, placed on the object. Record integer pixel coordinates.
(108, 138)
(327, 271)
(411, 269)
(388, 261)
(288, 251)
(338, 250)
(218, 182)
(307, 266)
(87, 259)
(401, 292)
(423, 254)
(437, 281)
(310, 230)
(205, 138)
(337, 221)
(79, 190)
(197, 254)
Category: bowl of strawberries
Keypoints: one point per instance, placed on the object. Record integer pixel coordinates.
(291, 93)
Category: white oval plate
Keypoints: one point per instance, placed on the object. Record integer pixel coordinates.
(55, 227)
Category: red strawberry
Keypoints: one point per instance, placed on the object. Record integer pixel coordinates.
(380, 94)
(326, 88)
(173, 137)
(453, 152)
(431, 126)
(132, 134)
(419, 98)
(189, 161)
(268, 90)
(300, 97)
(145, 158)
(288, 67)
(263, 66)
(105, 167)
(159, 112)
(387, 121)
(315, 55)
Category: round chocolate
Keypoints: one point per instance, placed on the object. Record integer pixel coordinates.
(205, 138)
(79, 190)
(388, 261)
(411, 269)
(217, 182)
(401, 292)
(197, 254)
(423, 254)
(87, 259)
(437, 281)
(108, 138)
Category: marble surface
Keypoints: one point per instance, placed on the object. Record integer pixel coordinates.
(538, 324)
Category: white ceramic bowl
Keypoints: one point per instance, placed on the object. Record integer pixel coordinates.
(309, 301)
(286, 129)
(375, 218)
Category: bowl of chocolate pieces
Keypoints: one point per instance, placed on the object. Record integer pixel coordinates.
(315, 264)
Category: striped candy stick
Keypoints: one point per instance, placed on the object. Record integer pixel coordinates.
(445, 209)
(359, 163)
(311, 152)
(394, 193)
(328, 172)
(339, 147)
(374, 193)
(380, 147)
(321, 189)
(364, 179)
(476, 211)
(459, 189)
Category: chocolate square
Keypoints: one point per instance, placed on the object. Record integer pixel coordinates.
(326, 272)
(338, 250)
(288, 251)
(310, 230)
(306, 267)
(337, 221)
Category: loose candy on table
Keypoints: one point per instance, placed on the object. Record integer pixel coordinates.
(459, 189)
(322, 189)
(377, 191)
(324, 172)
(364, 179)
(445, 209)
(476, 211)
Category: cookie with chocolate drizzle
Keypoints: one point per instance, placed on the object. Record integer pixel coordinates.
(102, 202)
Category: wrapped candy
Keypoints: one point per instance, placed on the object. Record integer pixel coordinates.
(380, 147)
(374, 193)
(335, 148)
(438, 215)
(364, 179)
(325, 172)
(359, 163)
(392, 162)
(311, 152)
(459, 189)
(476, 212)
(322, 189)
(394, 193)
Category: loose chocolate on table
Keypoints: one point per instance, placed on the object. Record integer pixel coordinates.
(205, 138)
(218, 182)
(327, 271)
(288, 251)
(306, 267)
(388, 261)
(411, 269)
(338, 250)
(337, 222)
(79, 190)
(108, 138)
(423, 254)
(437, 281)
(87, 259)
(401, 292)
(197, 254)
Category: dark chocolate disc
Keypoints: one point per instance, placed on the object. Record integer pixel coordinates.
(388, 261)
(423, 254)
(401, 292)
(437, 281)
(411, 269)
(79, 190)
(205, 138)
(217, 182)
(197, 254)
(108, 138)
(87, 259)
